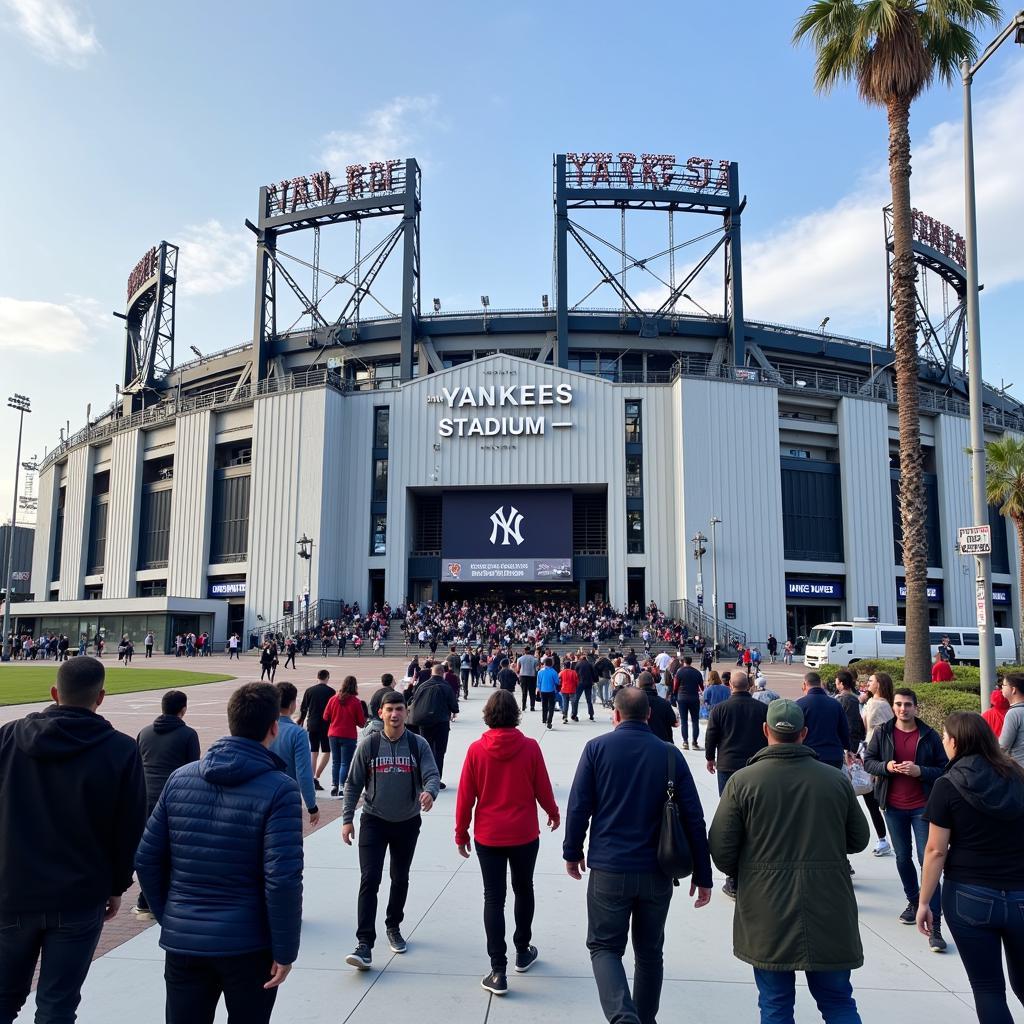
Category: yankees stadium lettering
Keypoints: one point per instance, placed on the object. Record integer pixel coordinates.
(491, 396)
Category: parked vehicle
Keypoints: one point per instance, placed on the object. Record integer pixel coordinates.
(845, 643)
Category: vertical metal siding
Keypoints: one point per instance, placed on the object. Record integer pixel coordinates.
(123, 521)
(730, 463)
(76, 524)
(952, 466)
(42, 546)
(867, 507)
(190, 506)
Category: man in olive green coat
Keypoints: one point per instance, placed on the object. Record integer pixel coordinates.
(783, 829)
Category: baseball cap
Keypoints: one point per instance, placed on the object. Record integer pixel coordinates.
(785, 717)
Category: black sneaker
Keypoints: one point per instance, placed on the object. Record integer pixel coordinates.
(936, 943)
(442, 785)
(730, 888)
(909, 916)
(361, 958)
(495, 982)
(316, 784)
(396, 942)
(525, 959)
(334, 790)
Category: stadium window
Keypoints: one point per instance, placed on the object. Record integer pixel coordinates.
(380, 480)
(381, 423)
(379, 535)
(634, 476)
(634, 532)
(634, 431)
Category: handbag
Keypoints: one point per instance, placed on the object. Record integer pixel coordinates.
(674, 856)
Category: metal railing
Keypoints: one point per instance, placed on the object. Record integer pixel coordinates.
(700, 621)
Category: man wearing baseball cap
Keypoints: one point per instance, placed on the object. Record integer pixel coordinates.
(784, 828)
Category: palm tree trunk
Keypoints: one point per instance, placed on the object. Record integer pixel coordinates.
(1019, 523)
(917, 668)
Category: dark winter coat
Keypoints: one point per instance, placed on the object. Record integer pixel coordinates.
(221, 859)
(734, 733)
(72, 808)
(165, 745)
(783, 829)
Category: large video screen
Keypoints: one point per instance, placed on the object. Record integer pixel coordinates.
(507, 534)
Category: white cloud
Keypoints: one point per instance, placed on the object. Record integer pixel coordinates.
(384, 134)
(832, 261)
(33, 327)
(213, 259)
(54, 28)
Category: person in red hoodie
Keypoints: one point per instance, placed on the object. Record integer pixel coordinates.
(941, 670)
(504, 778)
(568, 684)
(344, 717)
(997, 712)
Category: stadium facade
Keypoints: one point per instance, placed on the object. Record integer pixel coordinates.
(563, 452)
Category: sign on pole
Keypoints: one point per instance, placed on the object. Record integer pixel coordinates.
(980, 597)
(974, 540)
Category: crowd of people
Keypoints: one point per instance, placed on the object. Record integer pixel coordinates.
(104, 806)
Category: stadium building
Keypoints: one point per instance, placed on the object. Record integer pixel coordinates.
(563, 451)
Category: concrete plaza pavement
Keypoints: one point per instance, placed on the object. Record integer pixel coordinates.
(438, 979)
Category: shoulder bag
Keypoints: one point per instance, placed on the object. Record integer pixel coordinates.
(674, 856)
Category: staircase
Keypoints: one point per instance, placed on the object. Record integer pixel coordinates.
(700, 621)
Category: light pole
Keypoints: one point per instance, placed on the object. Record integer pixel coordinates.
(306, 551)
(714, 522)
(976, 385)
(22, 405)
(699, 551)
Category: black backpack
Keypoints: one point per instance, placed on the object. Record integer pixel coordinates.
(429, 705)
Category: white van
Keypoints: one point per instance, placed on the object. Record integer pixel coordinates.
(844, 643)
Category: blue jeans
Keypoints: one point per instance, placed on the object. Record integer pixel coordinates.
(614, 902)
(832, 991)
(341, 757)
(906, 827)
(64, 942)
(984, 922)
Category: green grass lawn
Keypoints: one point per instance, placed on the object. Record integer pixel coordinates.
(31, 683)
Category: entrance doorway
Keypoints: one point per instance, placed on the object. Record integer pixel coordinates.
(636, 591)
(802, 618)
(236, 618)
(509, 593)
(376, 589)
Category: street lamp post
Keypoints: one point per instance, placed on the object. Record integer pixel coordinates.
(714, 522)
(22, 405)
(699, 551)
(976, 386)
(306, 551)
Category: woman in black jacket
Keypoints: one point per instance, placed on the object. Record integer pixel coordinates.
(976, 838)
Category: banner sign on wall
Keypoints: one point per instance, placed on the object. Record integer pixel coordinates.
(232, 588)
(826, 589)
(507, 535)
(933, 589)
(1000, 594)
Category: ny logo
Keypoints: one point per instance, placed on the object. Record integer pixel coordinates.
(510, 525)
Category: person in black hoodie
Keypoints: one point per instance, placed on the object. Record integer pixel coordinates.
(975, 819)
(662, 719)
(165, 745)
(72, 809)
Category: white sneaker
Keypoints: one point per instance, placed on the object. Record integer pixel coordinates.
(882, 848)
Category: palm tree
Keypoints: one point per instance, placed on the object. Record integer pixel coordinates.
(893, 49)
(1004, 484)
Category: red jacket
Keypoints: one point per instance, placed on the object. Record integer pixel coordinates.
(344, 716)
(941, 672)
(504, 777)
(569, 680)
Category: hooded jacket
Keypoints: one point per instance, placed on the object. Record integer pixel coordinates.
(997, 712)
(221, 859)
(796, 909)
(72, 808)
(931, 758)
(503, 779)
(165, 745)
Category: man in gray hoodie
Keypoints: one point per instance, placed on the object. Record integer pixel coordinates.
(395, 773)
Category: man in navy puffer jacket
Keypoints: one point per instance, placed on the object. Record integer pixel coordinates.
(221, 866)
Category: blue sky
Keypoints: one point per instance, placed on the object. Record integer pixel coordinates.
(125, 124)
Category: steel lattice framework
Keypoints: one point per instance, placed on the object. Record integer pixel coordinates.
(149, 321)
(655, 182)
(389, 188)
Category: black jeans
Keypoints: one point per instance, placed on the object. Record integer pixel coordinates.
(588, 693)
(547, 707)
(528, 688)
(520, 862)
(985, 923)
(614, 902)
(437, 739)
(196, 983)
(377, 837)
(691, 708)
(63, 942)
(877, 819)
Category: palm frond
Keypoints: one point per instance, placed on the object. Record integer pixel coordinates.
(1004, 475)
(947, 45)
(897, 65)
